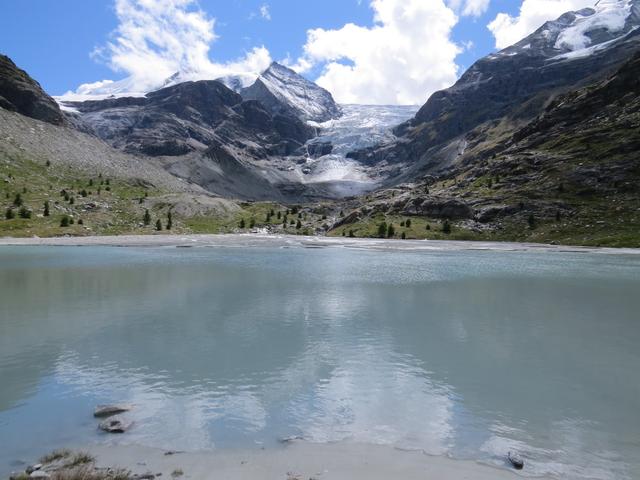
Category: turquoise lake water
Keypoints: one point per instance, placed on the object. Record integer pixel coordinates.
(460, 353)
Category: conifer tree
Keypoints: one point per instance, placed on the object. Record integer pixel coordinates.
(158, 225)
(146, 219)
(46, 208)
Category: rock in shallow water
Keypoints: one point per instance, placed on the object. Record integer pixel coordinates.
(110, 410)
(516, 460)
(115, 425)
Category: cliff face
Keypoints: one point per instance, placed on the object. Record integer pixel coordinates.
(22, 94)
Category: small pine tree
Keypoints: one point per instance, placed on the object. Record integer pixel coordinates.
(46, 208)
(252, 223)
(382, 230)
(446, 227)
(351, 234)
(292, 222)
(268, 218)
(402, 223)
(71, 221)
(558, 216)
(66, 197)
(140, 200)
(158, 225)
(72, 200)
(404, 235)
(408, 223)
(107, 188)
(84, 193)
(242, 224)
(108, 182)
(428, 226)
(91, 182)
(80, 221)
(343, 233)
(9, 214)
(272, 212)
(17, 201)
(531, 221)
(169, 220)
(48, 163)
(391, 231)
(299, 225)
(24, 190)
(146, 219)
(279, 215)
(64, 221)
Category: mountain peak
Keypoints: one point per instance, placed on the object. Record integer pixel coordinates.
(284, 91)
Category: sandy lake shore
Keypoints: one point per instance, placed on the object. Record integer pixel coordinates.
(263, 240)
(298, 461)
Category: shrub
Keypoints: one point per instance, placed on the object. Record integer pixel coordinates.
(408, 223)
(252, 223)
(84, 193)
(299, 225)
(351, 234)
(80, 222)
(158, 225)
(404, 235)
(242, 224)
(17, 201)
(446, 227)
(9, 214)
(531, 221)
(64, 221)
(24, 212)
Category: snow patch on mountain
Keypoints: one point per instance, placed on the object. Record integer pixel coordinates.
(610, 15)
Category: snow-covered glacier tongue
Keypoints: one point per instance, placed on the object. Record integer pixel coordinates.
(359, 127)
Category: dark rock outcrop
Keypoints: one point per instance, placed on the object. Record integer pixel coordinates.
(188, 117)
(22, 94)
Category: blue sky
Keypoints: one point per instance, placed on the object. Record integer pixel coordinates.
(54, 40)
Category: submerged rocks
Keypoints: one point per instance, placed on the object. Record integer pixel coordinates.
(115, 425)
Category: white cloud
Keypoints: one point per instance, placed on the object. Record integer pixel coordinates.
(156, 38)
(508, 30)
(264, 12)
(471, 8)
(406, 56)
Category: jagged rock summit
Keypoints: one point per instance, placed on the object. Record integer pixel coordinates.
(283, 91)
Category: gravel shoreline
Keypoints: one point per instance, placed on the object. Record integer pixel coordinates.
(263, 240)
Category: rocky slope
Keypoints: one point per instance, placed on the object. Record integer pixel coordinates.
(20, 93)
(517, 82)
(282, 91)
(570, 175)
(187, 117)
